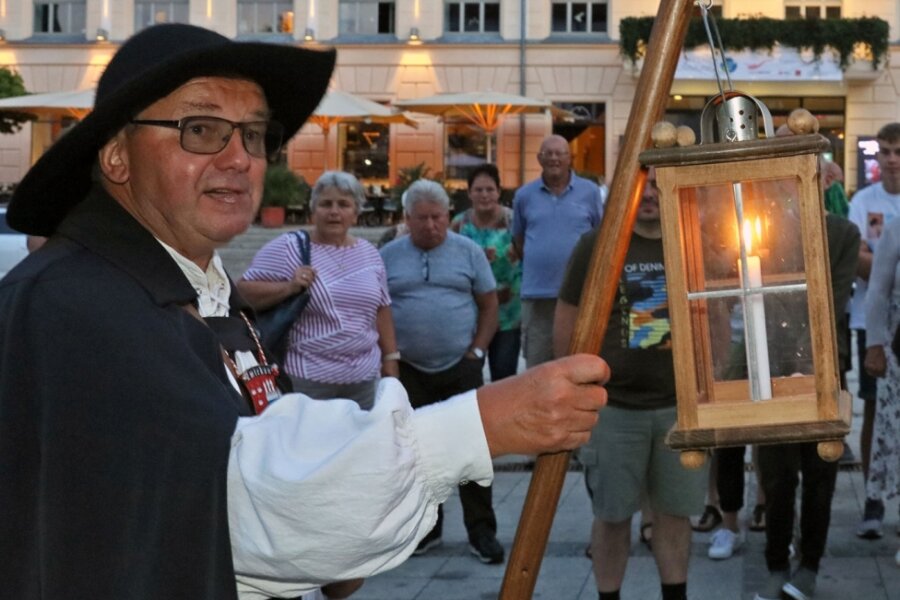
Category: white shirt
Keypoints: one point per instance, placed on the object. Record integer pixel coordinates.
(870, 210)
(884, 287)
(325, 491)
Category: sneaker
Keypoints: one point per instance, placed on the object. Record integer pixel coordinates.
(802, 585)
(486, 548)
(428, 543)
(723, 544)
(870, 528)
(771, 589)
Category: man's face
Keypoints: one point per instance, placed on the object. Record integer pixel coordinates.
(194, 202)
(889, 163)
(649, 208)
(428, 222)
(554, 158)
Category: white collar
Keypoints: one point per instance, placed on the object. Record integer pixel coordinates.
(212, 286)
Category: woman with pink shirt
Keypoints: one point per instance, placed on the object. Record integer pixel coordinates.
(344, 339)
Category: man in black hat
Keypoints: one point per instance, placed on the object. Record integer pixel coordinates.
(132, 465)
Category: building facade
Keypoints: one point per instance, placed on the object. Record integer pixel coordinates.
(562, 51)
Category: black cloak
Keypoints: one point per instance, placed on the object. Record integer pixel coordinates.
(115, 421)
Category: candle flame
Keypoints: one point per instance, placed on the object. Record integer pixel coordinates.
(749, 226)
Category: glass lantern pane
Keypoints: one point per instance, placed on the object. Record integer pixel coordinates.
(750, 322)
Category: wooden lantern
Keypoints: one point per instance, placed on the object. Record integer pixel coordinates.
(750, 297)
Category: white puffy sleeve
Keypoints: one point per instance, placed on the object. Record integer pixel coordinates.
(321, 491)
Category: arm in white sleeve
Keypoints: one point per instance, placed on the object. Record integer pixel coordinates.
(881, 287)
(321, 491)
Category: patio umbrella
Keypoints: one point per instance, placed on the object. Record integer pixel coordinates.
(341, 107)
(485, 109)
(76, 103)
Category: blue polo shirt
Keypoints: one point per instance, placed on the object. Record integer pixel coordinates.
(433, 298)
(551, 226)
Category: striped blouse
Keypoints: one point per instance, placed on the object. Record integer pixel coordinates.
(335, 339)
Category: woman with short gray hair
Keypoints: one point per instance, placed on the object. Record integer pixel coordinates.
(345, 183)
(344, 338)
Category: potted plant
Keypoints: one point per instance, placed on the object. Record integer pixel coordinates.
(283, 188)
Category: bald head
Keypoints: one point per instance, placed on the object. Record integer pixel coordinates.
(555, 161)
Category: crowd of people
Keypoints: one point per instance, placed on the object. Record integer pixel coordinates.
(130, 440)
(515, 275)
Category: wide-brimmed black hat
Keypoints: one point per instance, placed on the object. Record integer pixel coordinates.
(148, 67)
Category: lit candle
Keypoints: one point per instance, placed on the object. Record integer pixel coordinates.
(755, 337)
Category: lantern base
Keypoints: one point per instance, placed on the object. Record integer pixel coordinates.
(826, 431)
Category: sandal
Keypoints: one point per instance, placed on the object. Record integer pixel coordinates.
(758, 522)
(709, 520)
(647, 535)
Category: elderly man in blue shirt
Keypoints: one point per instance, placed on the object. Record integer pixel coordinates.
(444, 302)
(550, 215)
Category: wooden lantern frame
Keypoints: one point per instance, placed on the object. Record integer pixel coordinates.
(719, 413)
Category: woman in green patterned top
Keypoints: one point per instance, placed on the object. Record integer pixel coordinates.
(487, 224)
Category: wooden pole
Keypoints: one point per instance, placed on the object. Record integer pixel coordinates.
(651, 96)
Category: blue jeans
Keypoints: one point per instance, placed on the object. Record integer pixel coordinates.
(503, 353)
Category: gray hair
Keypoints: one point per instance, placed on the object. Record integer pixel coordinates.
(342, 182)
(425, 190)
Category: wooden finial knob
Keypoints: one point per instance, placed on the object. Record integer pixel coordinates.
(693, 459)
(685, 136)
(831, 450)
(663, 135)
(801, 122)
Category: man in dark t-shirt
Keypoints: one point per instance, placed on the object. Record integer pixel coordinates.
(626, 455)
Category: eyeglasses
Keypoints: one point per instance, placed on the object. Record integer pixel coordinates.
(426, 271)
(209, 135)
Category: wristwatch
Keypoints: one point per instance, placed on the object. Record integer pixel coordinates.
(478, 352)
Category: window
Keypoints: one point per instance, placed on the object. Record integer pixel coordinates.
(259, 16)
(366, 17)
(148, 12)
(578, 17)
(64, 16)
(473, 17)
(812, 9)
(365, 150)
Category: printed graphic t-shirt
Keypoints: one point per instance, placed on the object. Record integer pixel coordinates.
(638, 342)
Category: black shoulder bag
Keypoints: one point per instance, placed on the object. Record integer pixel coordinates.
(275, 323)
